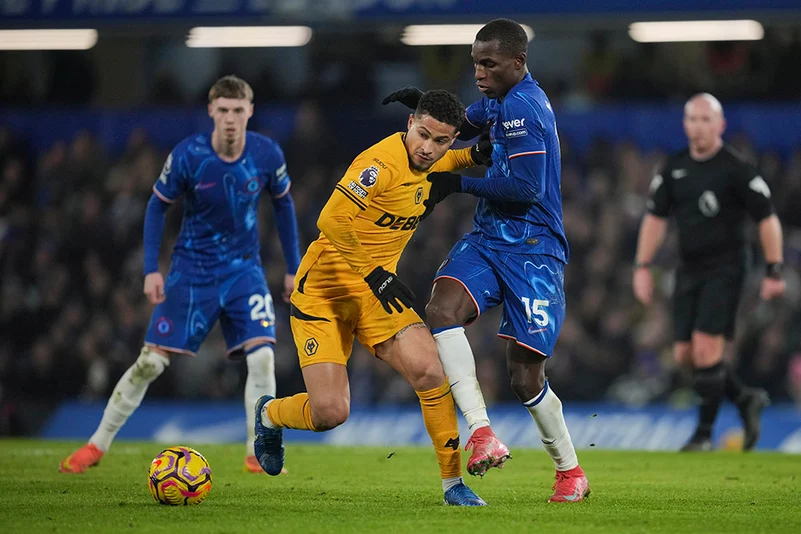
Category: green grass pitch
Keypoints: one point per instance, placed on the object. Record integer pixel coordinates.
(332, 489)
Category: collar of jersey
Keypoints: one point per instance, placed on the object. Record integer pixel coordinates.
(526, 79)
(238, 160)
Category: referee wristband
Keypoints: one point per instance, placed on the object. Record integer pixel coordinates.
(774, 270)
(641, 265)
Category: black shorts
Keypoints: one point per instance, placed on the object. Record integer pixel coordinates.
(706, 301)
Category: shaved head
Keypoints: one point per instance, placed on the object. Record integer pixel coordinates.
(705, 99)
(704, 125)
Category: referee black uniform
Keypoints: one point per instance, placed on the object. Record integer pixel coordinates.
(710, 201)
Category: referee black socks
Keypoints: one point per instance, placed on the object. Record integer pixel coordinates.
(710, 384)
(735, 389)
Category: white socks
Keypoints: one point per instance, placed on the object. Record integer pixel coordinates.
(460, 367)
(546, 409)
(128, 395)
(260, 382)
(131, 389)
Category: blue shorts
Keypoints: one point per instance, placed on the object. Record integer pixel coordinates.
(530, 287)
(241, 301)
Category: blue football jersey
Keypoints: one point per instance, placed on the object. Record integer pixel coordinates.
(522, 125)
(220, 224)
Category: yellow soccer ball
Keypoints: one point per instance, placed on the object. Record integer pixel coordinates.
(179, 476)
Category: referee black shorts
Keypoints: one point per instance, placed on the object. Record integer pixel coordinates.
(706, 301)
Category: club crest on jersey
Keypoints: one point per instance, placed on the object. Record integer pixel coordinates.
(369, 176)
(163, 326)
(252, 186)
(418, 195)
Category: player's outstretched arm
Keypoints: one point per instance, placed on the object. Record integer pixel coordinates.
(524, 184)
(287, 224)
(410, 96)
(444, 182)
(153, 231)
(170, 185)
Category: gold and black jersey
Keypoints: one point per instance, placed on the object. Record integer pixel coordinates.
(371, 216)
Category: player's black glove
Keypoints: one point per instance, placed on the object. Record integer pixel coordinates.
(388, 288)
(482, 151)
(409, 96)
(442, 185)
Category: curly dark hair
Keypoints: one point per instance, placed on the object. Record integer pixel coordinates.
(441, 105)
(511, 37)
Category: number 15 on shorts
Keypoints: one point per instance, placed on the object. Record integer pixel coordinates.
(535, 311)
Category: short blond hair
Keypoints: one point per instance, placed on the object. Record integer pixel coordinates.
(230, 86)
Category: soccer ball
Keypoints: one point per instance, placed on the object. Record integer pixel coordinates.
(179, 476)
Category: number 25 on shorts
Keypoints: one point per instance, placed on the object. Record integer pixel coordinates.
(535, 311)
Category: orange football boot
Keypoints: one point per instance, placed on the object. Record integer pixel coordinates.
(81, 460)
(570, 486)
(488, 451)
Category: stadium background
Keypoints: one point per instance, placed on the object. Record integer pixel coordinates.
(83, 135)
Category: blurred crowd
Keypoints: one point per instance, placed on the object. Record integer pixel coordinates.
(579, 67)
(73, 317)
(745, 70)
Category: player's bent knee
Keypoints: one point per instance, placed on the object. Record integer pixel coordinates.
(427, 374)
(707, 349)
(149, 365)
(527, 381)
(330, 415)
(442, 315)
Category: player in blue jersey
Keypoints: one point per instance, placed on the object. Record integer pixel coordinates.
(216, 271)
(515, 255)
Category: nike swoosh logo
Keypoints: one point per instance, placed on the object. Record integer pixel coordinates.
(536, 331)
(207, 185)
(548, 442)
(576, 495)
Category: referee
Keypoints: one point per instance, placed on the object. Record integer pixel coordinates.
(709, 189)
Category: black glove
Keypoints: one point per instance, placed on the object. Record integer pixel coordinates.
(409, 96)
(442, 185)
(482, 150)
(388, 288)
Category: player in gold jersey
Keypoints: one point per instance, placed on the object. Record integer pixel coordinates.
(346, 289)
